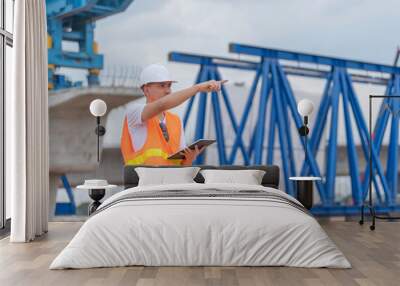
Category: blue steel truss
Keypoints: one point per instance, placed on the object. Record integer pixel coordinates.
(276, 91)
(66, 208)
(74, 21)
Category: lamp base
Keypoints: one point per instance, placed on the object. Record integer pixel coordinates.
(303, 130)
(100, 130)
(96, 195)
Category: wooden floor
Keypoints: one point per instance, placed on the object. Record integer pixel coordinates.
(375, 257)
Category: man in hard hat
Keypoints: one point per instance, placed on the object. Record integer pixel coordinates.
(151, 133)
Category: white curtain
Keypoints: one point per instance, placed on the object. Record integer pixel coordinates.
(27, 140)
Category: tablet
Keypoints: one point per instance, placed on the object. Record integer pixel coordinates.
(200, 143)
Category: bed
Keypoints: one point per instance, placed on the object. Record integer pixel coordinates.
(201, 224)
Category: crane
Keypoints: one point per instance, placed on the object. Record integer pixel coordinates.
(74, 21)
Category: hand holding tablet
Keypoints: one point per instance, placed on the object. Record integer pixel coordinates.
(199, 143)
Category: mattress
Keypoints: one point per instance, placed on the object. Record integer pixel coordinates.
(201, 225)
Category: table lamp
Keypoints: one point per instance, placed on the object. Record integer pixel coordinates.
(305, 107)
(98, 108)
(304, 185)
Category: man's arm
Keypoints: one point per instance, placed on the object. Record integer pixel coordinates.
(174, 99)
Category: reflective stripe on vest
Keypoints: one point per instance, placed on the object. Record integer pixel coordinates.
(141, 159)
(156, 149)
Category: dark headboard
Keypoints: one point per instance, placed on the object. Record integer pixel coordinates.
(270, 179)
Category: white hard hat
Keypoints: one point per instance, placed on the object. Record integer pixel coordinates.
(154, 73)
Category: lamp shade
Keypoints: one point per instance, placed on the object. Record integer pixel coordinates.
(305, 107)
(98, 107)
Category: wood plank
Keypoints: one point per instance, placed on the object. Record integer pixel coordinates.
(375, 257)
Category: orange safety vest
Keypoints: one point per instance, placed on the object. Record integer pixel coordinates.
(156, 149)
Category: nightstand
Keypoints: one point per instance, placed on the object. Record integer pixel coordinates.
(97, 190)
(304, 190)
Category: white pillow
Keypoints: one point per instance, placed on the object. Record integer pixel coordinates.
(166, 176)
(248, 177)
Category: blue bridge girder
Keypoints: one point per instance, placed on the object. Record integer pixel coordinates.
(223, 62)
(74, 21)
(311, 58)
(276, 91)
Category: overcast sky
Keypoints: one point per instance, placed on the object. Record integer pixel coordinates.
(147, 30)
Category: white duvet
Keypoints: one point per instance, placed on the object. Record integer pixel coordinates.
(200, 231)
